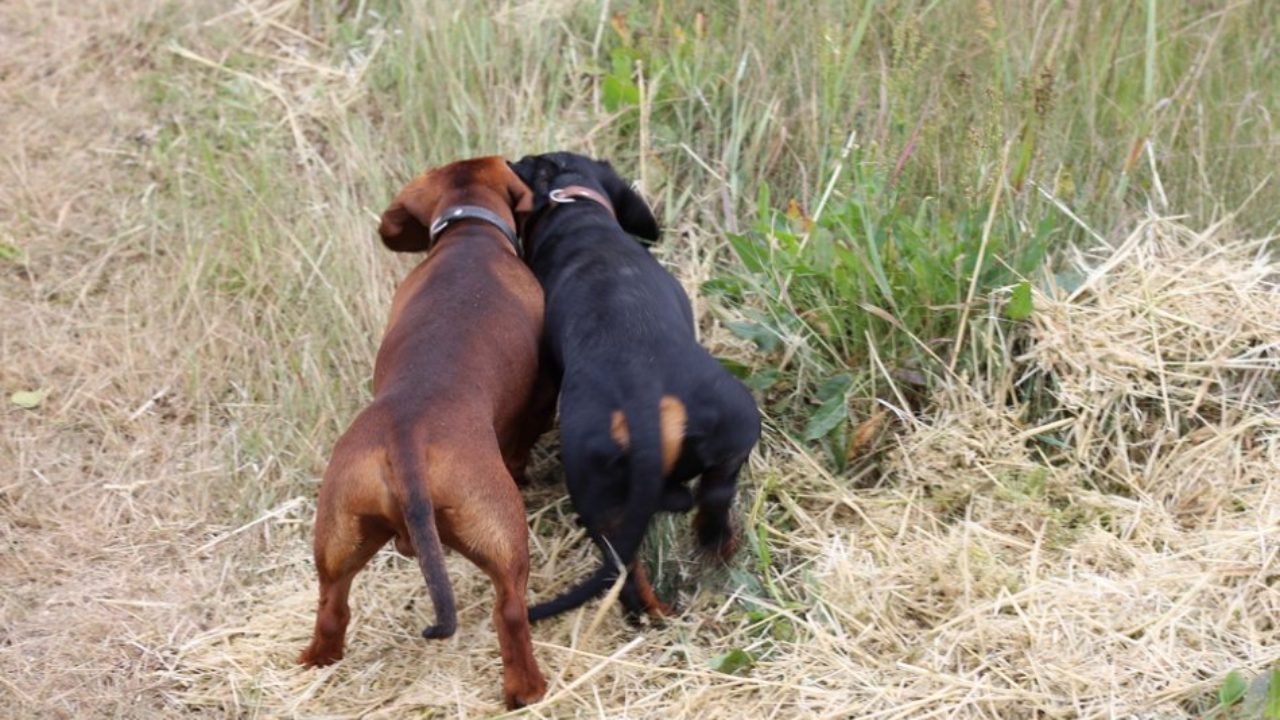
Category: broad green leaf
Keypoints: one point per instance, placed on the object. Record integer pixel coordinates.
(762, 380)
(622, 60)
(1262, 699)
(617, 92)
(1233, 688)
(1019, 307)
(754, 255)
(735, 368)
(10, 252)
(830, 414)
(838, 384)
(725, 285)
(731, 662)
(28, 399)
(764, 338)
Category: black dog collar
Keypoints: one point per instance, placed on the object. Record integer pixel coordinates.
(455, 213)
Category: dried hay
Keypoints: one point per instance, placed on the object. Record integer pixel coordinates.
(988, 575)
(1130, 558)
(1184, 321)
(1164, 364)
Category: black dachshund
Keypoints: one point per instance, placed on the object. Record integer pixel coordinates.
(643, 407)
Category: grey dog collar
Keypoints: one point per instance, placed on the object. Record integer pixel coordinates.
(455, 213)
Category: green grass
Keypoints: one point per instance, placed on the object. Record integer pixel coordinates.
(857, 166)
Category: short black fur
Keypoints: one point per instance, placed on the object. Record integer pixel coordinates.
(620, 331)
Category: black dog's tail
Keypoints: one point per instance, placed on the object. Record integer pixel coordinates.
(643, 500)
(420, 518)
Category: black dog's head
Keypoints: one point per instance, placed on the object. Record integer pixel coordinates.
(544, 173)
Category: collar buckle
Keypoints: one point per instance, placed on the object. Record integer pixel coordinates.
(574, 193)
(559, 197)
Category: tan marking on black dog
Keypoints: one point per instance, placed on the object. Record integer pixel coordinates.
(652, 605)
(618, 430)
(672, 421)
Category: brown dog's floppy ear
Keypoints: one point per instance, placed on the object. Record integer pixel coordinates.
(405, 223)
(632, 211)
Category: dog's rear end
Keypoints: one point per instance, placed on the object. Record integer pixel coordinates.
(458, 402)
(643, 407)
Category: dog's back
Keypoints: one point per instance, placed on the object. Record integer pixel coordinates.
(460, 321)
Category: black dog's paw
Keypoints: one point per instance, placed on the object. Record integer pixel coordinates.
(435, 632)
(634, 617)
(716, 539)
(655, 616)
(677, 499)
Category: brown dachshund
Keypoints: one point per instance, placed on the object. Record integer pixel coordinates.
(459, 400)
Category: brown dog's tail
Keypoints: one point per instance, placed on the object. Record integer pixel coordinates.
(644, 497)
(420, 518)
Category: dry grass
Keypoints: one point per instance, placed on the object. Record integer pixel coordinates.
(1089, 529)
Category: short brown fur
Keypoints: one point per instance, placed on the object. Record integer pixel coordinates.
(459, 400)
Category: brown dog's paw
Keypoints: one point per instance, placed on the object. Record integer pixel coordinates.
(529, 693)
(319, 657)
(644, 599)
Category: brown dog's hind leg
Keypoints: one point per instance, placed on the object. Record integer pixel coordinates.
(491, 531)
(344, 543)
(337, 563)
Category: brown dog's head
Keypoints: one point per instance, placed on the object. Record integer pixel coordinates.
(485, 181)
(544, 173)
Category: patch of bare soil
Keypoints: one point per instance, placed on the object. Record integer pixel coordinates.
(90, 507)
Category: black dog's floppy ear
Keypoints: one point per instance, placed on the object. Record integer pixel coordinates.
(523, 168)
(526, 170)
(633, 212)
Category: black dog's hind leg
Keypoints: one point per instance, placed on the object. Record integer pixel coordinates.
(715, 498)
(676, 498)
(633, 593)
